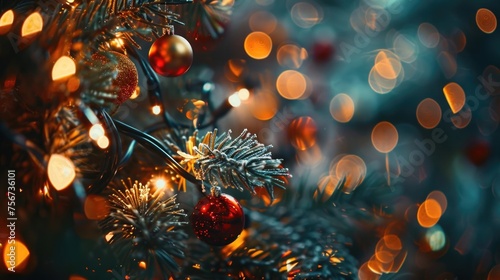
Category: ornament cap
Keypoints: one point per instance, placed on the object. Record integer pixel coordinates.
(215, 191)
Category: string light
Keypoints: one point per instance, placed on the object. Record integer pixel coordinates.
(32, 24)
(156, 109)
(103, 142)
(234, 100)
(6, 21)
(61, 171)
(96, 131)
(63, 68)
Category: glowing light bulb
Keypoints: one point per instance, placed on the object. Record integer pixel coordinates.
(160, 183)
(61, 171)
(234, 100)
(108, 236)
(96, 131)
(32, 24)
(20, 255)
(156, 109)
(6, 21)
(243, 94)
(103, 142)
(63, 68)
(142, 265)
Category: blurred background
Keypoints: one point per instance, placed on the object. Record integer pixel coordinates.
(408, 90)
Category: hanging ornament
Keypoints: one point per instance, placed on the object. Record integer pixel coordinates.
(171, 55)
(217, 219)
(127, 78)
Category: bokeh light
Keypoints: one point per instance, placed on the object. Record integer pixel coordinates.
(96, 131)
(103, 142)
(291, 84)
(61, 171)
(342, 108)
(6, 21)
(234, 69)
(258, 45)
(263, 21)
(435, 237)
(455, 96)
(305, 14)
(486, 20)
(63, 68)
(234, 100)
(243, 94)
(326, 187)
(96, 207)
(429, 213)
(353, 169)
(387, 65)
(462, 118)
(302, 133)
(459, 40)
(264, 105)
(405, 49)
(448, 64)
(20, 255)
(428, 113)
(32, 24)
(386, 73)
(384, 137)
(291, 56)
(156, 109)
(428, 35)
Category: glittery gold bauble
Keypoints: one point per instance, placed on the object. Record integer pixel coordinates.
(126, 80)
(171, 55)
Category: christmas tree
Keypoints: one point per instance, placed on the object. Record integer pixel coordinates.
(150, 139)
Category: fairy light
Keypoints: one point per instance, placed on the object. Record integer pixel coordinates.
(108, 236)
(63, 68)
(243, 94)
(234, 100)
(32, 24)
(96, 131)
(6, 21)
(16, 255)
(160, 183)
(156, 109)
(61, 171)
(136, 93)
(103, 142)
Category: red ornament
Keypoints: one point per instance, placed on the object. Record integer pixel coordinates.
(322, 51)
(478, 152)
(218, 219)
(126, 80)
(171, 55)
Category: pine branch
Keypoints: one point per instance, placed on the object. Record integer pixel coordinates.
(241, 163)
(143, 226)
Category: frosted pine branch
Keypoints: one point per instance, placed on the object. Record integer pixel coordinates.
(241, 163)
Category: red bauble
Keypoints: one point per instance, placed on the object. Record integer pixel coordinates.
(218, 219)
(171, 55)
(126, 80)
(478, 152)
(323, 51)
